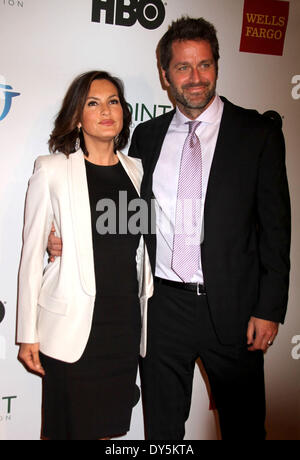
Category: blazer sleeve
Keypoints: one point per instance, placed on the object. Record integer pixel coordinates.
(37, 226)
(274, 229)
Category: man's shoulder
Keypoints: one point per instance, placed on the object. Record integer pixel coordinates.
(252, 117)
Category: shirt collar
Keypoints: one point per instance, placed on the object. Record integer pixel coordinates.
(211, 115)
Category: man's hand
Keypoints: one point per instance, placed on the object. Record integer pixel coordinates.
(29, 355)
(54, 245)
(261, 334)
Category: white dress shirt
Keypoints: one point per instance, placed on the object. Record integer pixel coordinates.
(165, 181)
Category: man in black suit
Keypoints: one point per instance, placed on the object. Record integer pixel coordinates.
(227, 312)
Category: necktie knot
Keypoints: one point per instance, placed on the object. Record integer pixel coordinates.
(193, 125)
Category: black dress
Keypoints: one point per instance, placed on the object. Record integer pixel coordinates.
(93, 397)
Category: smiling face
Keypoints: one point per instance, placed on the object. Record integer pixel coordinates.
(192, 76)
(102, 115)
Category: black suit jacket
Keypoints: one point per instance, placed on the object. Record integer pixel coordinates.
(245, 253)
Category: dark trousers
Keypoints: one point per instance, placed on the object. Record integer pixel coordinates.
(180, 331)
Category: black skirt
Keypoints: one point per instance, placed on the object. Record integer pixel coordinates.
(93, 397)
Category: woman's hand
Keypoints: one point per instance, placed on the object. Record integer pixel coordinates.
(30, 356)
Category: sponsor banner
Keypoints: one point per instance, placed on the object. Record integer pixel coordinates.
(264, 26)
(45, 45)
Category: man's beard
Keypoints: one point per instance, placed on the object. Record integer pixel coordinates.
(187, 102)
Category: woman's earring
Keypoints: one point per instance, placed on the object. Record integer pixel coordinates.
(77, 143)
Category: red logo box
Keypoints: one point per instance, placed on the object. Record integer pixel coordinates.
(264, 26)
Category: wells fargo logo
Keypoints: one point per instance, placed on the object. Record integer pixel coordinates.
(264, 26)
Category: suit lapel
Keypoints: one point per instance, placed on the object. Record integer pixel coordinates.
(81, 215)
(224, 150)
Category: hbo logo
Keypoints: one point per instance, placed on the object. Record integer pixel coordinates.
(149, 13)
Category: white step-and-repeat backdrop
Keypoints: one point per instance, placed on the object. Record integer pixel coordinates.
(44, 45)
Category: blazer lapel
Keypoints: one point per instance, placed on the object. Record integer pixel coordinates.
(134, 172)
(81, 215)
(224, 150)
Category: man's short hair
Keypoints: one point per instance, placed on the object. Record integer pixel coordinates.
(183, 29)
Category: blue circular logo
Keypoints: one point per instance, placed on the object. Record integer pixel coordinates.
(8, 97)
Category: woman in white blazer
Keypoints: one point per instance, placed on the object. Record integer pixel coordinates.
(78, 321)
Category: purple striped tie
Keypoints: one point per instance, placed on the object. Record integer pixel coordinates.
(186, 244)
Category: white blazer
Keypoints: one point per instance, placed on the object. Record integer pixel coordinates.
(55, 304)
